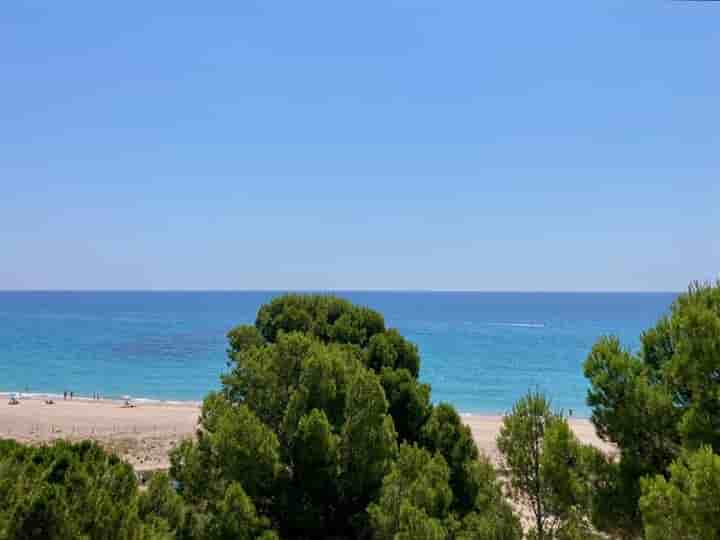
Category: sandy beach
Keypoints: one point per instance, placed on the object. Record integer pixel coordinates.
(144, 434)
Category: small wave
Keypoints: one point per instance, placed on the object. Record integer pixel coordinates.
(111, 398)
(30, 395)
(151, 401)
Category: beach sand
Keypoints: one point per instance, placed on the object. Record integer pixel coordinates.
(144, 434)
(485, 429)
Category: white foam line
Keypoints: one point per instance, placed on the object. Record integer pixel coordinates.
(519, 324)
(76, 397)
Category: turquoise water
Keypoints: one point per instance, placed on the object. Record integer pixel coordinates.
(480, 351)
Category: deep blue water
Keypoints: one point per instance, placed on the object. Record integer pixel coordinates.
(480, 351)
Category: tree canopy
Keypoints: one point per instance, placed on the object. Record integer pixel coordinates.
(321, 419)
(686, 505)
(69, 490)
(656, 405)
(548, 468)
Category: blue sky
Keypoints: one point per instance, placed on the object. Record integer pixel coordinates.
(366, 145)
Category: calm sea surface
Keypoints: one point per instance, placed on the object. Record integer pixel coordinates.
(480, 351)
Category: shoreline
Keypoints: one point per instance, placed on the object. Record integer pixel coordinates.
(5, 395)
(103, 399)
(145, 433)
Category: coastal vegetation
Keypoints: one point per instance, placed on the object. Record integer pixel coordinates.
(323, 423)
(79, 491)
(549, 470)
(321, 428)
(660, 407)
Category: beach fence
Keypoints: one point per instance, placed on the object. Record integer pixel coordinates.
(145, 447)
(50, 431)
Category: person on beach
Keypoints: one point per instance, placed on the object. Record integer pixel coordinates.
(71, 395)
(65, 395)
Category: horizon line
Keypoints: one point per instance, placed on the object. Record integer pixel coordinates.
(343, 290)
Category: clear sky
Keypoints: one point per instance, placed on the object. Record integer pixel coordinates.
(359, 145)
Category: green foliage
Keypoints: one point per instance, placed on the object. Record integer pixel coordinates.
(290, 390)
(416, 487)
(324, 382)
(327, 320)
(615, 492)
(409, 402)
(308, 423)
(316, 456)
(241, 338)
(314, 489)
(236, 518)
(546, 463)
(416, 501)
(693, 370)
(390, 350)
(685, 506)
(329, 416)
(498, 523)
(491, 517)
(234, 446)
(655, 404)
(444, 432)
(73, 491)
(325, 317)
(368, 440)
(242, 446)
(628, 407)
(161, 505)
(417, 525)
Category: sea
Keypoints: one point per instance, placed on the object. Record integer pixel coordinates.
(480, 351)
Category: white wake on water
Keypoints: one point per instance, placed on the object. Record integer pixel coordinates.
(519, 324)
